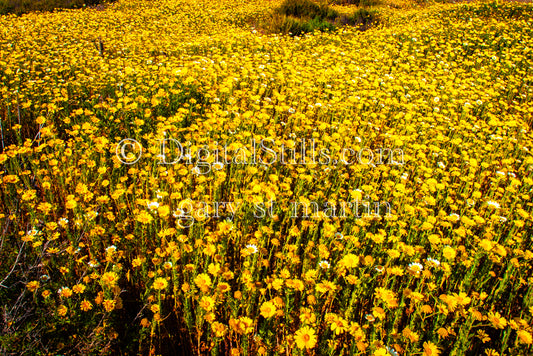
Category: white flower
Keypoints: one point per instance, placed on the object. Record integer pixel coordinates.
(370, 318)
(33, 232)
(94, 264)
(252, 247)
(503, 219)
(456, 216)
(392, 351)
(111, 249)
(493, 204)
(153, 205)
(324, 264)
(442, 165)
(415, 267)
(434, 261)
(436, 99)
(292, 111)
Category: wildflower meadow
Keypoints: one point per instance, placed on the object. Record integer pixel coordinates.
(231, 177)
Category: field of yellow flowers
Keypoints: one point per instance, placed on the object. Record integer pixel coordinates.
(176, 181)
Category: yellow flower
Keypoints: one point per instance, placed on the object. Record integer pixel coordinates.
(409, 334)
(268, 309)
(307, 316)
(426, 309)
(462, 298)
(85, 305)
(144, 217)
(305, 338)
(243, 325)
(525, 337)
(109, 279)
(218, 328)
(78, 288)
(213, 269)
(326, 286)
(449, 253)
(160, 283)
(11, 179)
(28, 195)
(210, 317)
(109, 304)
(65, 292)
(136, 262)
(443, 333)
(338, 325)
(430, 349)
(163, 211)
(207, 303)
(203, 281)
(349, 261)
(223, 287)
(71, 202)
(62, 310)
(33, 286)
(497, 320)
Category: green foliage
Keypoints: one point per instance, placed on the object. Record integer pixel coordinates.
(363, 3)
(297, 17)
(502, 11)
(19, 7)
(361, 17)
(307, 9)
(298, 27)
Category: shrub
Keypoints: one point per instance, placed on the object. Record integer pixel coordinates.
(355, 2)
(297, 17)
(361, 17)
(19, 7)
(306, 9)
